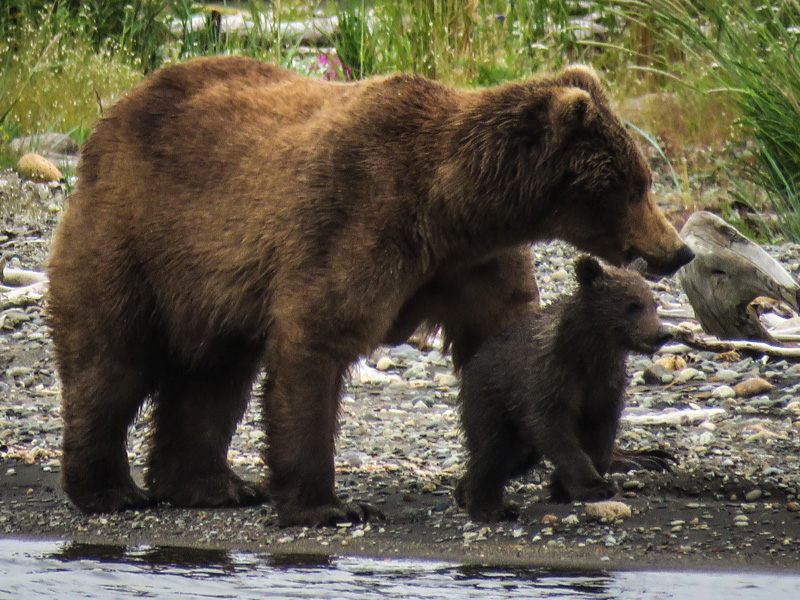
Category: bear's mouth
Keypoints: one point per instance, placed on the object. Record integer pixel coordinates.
(654, 270)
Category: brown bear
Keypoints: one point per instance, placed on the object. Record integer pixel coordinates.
(552, 385)
(232, 217)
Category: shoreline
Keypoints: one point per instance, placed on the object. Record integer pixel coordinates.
(650, 539)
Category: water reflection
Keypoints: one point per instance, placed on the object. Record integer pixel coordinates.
(77, 570)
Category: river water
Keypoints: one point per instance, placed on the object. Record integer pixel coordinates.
(35, 569)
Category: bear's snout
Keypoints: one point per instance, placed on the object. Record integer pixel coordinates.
(683, 256)
(664, 335)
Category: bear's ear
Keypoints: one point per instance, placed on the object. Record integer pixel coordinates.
(589, 271)
(572, 106)
(582, 77)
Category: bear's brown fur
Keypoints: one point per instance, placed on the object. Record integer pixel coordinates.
(231, 216)
(552, 385)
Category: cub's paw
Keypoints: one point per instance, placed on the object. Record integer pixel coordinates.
(330, 515)
(508, 511)
(109, 500)
(596, 490)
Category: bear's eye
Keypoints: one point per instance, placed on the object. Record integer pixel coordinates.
(634, 308)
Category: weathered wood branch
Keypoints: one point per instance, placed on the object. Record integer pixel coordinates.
(728, 274)
(14, 278)
(688, 338)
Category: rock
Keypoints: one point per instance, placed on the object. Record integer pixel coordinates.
(571, 520)
(37, 168)
(550, 519)
(445, 380)
(657, 373)
(727, 375)
(673, 362)
(723, 391)
(609, 509)
(753, 495)
(686, 374)
(560, 275)
(384, 364)
(752, 387)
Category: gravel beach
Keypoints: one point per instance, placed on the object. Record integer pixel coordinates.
(732, 501)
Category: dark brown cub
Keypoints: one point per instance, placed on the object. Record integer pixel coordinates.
(551, 386)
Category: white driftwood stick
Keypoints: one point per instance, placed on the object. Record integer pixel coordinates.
(20, 277)
(713, 345)
(688, 416)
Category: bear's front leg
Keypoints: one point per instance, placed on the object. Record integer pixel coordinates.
(576, 476)
(301, 402)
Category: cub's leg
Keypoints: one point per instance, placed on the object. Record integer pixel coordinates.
(575, 476)
(195, 416)
(481, 489)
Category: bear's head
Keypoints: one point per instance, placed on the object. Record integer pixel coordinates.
(557, 149)
(622, 304)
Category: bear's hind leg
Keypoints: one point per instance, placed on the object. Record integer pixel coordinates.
(101, 397)
(195, 415)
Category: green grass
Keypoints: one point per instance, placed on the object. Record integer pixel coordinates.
(750, 52)
(55, 79)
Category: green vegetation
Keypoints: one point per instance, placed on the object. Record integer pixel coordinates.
(712, 87)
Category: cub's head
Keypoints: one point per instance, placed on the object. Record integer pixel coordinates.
(621, 303)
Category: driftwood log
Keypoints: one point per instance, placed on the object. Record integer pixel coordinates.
(688, 338)
(732, 281)
(20, 288)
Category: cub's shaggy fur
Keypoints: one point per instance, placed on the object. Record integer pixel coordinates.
(552, 385)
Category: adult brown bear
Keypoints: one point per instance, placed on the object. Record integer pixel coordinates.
(231, 216)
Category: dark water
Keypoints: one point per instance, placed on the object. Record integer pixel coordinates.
(70, 570)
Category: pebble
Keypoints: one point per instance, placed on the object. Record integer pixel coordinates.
(752, 387)
(724, 391)
(727, 375)
(608, 509)
(673, 362)
(657, 374)
(37, 168)
(753, 495)
(550, 519)
(688, 374)
(384, 363)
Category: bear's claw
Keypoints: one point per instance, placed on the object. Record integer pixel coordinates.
(321, 516)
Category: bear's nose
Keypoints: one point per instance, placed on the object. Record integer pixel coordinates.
(664, 336)
(683, 256)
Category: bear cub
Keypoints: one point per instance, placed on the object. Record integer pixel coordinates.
(551, 385)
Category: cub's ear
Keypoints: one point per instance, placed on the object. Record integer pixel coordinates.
(582, 77)
(588, 271)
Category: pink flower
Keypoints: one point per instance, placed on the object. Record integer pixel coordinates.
(333, 67)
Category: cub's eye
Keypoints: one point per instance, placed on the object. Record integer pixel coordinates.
(634, 307)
